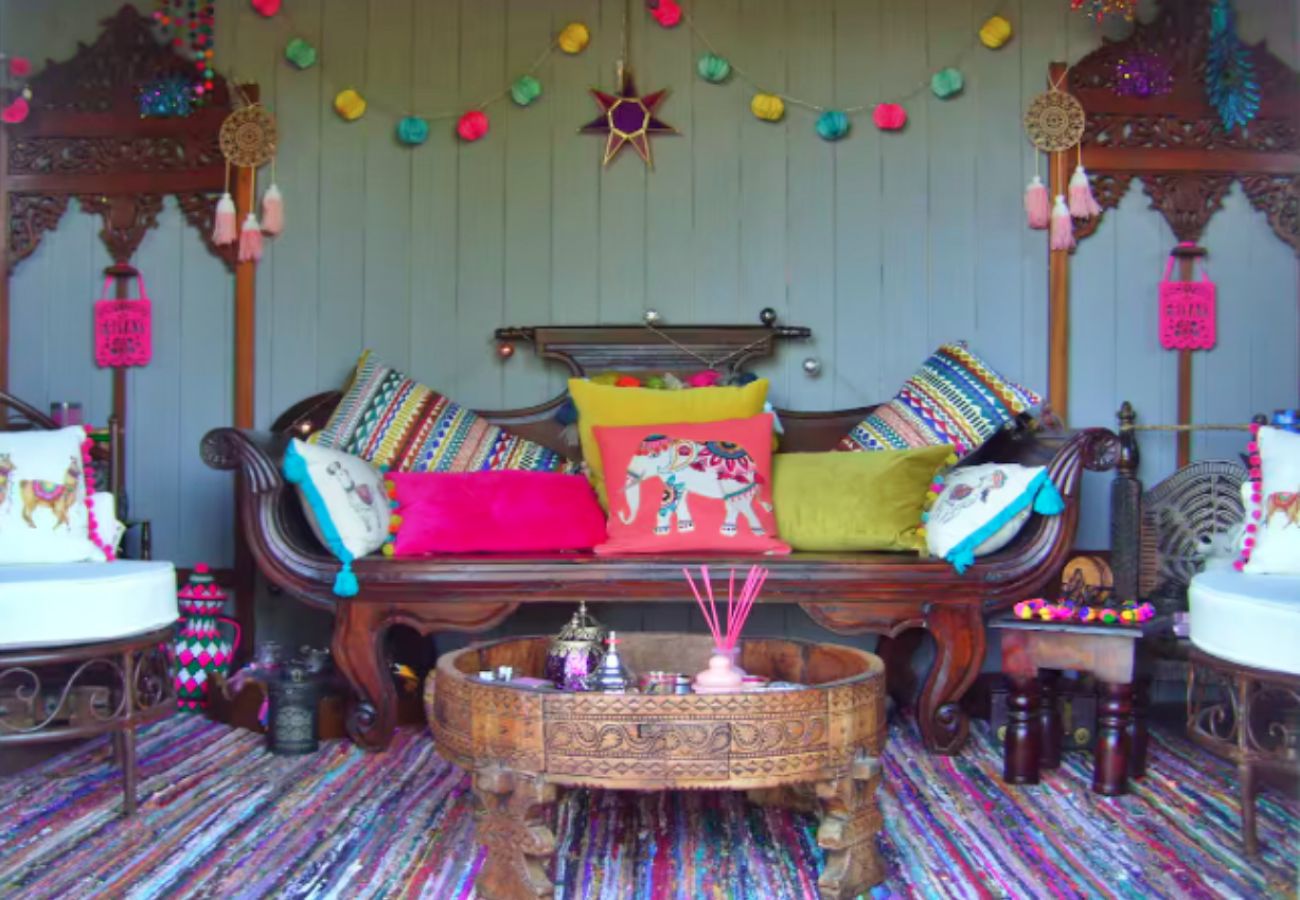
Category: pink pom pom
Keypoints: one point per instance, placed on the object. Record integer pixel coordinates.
(1252, 447)
(266, 8)
(16, 112)
(1255, 460)
(1239, 565)
(1254, 428)
(20, 67)
(1256, 515)
(1248, 543)
(666, 12)
(889, 116)
(1252, 528)
(472, 126)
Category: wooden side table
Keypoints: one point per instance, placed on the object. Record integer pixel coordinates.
(1033, 653)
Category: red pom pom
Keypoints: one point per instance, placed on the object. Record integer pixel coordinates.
(473, 125)
(889, 116)
(627, 381)
(20, 67)
(666, 12)
(266, 8)
(200, 568)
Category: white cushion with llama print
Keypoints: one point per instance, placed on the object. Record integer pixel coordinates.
(1271, 544)
(345, 502)
(980, 509)
(45, 516)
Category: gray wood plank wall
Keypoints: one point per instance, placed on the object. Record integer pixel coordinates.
(886, 244)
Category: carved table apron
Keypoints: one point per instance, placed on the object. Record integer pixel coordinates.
(818, 747)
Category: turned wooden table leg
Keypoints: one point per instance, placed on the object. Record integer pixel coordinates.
(1137, 735)
(1114, 714)
(1049, 721)
(850, 821)
(1022, 749)
(511, 813)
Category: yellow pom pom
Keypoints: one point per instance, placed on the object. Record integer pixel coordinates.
(768, 107)
(387, 549)
(574, 38)
(950, 459)
(995, 32)
(349, 105)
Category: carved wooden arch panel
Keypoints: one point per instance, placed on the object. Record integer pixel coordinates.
(85, 138)
(1175, 145)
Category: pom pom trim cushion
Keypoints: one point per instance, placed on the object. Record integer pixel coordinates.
(1271, 540)
(954, 398)
(980, 509)
(47, 476)
(491, 512)
(391, 420)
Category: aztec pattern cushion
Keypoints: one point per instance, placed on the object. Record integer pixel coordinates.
(1272, 494)
(394, 422)
(955, 398)
(981, 508)
(46, 512)
(691, 486)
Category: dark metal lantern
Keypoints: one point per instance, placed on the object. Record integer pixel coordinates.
(576, 651)
(294, 715)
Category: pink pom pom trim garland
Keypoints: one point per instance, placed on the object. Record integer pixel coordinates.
(91, 520)
(1254, 510)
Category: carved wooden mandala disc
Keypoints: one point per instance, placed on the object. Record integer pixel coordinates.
(248, 136)
(1054, 121)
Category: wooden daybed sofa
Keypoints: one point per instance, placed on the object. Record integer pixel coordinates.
(893, 595)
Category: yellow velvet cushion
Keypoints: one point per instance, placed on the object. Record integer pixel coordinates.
(855, 501)
(605, 405)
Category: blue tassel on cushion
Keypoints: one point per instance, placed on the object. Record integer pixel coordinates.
(1048, 501)
(345, 582)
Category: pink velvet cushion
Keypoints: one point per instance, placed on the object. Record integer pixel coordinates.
(492, 512)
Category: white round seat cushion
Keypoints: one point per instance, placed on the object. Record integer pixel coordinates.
(1253, 620)
(54, 604)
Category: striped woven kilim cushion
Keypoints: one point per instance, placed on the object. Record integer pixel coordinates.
(955, 398)
(396, 423)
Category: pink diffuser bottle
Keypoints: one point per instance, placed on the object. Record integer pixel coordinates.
(723, 676)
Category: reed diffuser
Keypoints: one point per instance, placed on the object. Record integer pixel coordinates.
(722, 676)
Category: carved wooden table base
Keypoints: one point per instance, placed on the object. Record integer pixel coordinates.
(818, 747)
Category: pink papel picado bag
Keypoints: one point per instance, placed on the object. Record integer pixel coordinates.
(1186, 311)
(123, 328)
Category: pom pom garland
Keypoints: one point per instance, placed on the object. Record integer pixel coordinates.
(472, 126)
(833, 125)
(768, 107)
(525, 90)
(1037, 210)
(1064, 611)
(573, 38)
(889, 116)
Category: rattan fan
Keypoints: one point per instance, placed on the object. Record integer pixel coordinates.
(1054, 121)
(248, 136)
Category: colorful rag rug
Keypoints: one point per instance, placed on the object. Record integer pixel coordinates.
(221, 817)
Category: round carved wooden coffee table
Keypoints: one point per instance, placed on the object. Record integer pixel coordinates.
(818, 747)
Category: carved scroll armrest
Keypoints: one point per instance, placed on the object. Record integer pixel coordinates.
(255, 454)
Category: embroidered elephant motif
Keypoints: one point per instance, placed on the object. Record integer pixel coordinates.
(55, 496)
(714, 470)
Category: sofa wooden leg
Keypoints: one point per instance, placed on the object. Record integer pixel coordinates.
(358, 650)
(897, 653)
(959, 643)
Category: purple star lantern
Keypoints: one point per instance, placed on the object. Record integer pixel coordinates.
(1143, 74)
(627, 119)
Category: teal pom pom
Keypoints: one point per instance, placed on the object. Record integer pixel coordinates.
(713, 68)
(413, 131)
(1048, 501)
(525, 90)
(832, 125)
(947, 83)
(925, 516)
(345, 582)
(295, 468)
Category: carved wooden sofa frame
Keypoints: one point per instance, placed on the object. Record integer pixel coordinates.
(897, 596)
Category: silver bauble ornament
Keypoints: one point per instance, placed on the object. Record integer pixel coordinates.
(652, 317)
(767, 316)
(812, 366)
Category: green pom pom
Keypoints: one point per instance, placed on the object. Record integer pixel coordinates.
(413, 131)
(525, 90)
(713, 68)
(833, 125)
(654, 381)
(300, 54)
(947, 83)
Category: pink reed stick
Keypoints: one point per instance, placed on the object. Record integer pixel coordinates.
(731, 592)
(713, 628)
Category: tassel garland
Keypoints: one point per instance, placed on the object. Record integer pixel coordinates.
(1061, 236)
(224, 230)
(1036, 206)
(272, 210)
(250, 240)
(1083, 205)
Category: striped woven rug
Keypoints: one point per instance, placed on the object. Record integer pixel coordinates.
(221, 817)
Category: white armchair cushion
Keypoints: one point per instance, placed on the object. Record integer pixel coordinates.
(55, 604)
(44, 517)
(1253, 620)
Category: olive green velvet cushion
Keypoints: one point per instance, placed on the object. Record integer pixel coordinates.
(855, 501)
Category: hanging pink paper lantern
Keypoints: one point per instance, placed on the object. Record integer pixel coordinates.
(473, 125)
(889, 117)
(666, 12)
(266, 8)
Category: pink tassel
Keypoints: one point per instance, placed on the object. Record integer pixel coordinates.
(272, 211)
(1062, 233)
(1036, 205)
(224, 230)
(250, 240)
(1082, 204)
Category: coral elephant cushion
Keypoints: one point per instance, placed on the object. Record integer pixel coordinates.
(45, 516)
(492, 512)
(690, 487)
